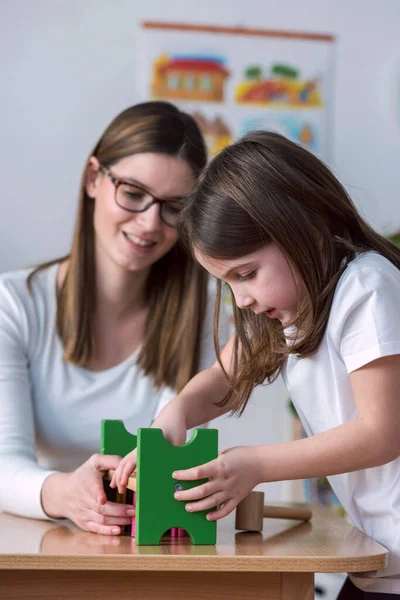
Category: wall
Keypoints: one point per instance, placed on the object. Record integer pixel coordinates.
(67, 67)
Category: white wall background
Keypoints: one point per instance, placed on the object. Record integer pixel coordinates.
(67, 68)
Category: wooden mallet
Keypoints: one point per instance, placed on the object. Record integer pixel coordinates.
(251, 512)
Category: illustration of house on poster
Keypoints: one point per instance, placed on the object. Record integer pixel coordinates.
(189, 78)
(233, 80)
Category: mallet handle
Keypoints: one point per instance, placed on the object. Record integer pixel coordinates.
(287, 512)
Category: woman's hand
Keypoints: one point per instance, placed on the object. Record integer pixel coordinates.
(173, 425)
(232, 476)
(65, 540)
(80, 497)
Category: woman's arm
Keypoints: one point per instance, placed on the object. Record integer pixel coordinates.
(22, 477)
(27, 489)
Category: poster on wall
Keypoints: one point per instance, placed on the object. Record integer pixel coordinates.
(233, 80)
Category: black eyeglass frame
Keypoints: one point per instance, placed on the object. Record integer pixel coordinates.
(117, 181)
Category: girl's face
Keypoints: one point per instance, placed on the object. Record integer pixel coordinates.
(135, 241)
(262, 281)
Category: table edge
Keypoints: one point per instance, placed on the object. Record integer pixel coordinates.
(97, 562)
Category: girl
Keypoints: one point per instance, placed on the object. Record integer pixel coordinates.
(111, 331)
(316, 298)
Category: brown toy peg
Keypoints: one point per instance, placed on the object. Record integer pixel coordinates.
(251, 512)
(131, 485)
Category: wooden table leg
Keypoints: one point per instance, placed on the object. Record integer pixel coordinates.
(297, 586)
(125, 585)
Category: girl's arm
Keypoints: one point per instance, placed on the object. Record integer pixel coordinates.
(370, 440)
(194, 406)
(207, 349)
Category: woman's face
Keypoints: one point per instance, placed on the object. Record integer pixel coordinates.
(135, 241)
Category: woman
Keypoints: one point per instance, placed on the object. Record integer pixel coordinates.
(111, 331)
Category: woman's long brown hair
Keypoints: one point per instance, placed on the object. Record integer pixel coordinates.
(262, 189)
(176, 287)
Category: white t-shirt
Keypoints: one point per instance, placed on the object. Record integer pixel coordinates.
(364, 324)
(51, 411)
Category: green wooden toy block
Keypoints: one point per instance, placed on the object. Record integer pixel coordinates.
(115, 439)
(157, 511)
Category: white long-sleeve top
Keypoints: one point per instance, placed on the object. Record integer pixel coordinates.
(50, 410)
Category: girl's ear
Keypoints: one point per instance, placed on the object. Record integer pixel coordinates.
(92, 177)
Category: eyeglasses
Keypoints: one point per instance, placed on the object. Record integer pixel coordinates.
(134, 198)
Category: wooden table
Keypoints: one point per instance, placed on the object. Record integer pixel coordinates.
(45, 560)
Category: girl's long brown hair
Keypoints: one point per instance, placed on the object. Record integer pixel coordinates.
(262, 189)
(176, 287)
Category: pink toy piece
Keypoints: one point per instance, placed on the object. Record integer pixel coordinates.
(133, 529)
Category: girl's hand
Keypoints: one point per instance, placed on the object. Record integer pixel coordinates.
(232, 476)
(80, 497)
(173, 426)
(124, 470)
